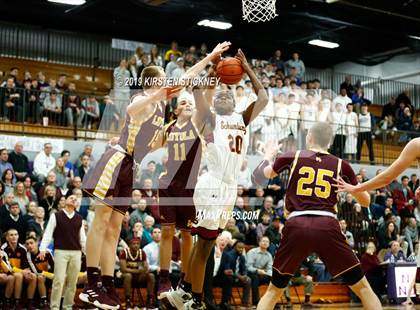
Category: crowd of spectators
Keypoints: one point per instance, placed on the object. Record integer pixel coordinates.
(31, 192)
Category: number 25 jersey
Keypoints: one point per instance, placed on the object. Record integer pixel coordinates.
(311, 174)
(227, 147)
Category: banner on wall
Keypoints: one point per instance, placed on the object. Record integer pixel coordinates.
(31, 144)
(130, 45)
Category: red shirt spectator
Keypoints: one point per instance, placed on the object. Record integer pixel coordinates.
(403, 198)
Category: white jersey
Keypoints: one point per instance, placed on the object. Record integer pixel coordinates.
(226, 153)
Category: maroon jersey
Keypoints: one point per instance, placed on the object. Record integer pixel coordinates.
(311, 178)
(17, 257)
(38, 265)
(184, 156)
(137, 137)
(134, 261)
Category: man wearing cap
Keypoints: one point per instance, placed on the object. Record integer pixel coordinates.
(135, 270)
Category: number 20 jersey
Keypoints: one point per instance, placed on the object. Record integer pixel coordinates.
(227, 147)
(311, 174)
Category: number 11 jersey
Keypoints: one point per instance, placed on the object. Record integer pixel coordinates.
(310, 185)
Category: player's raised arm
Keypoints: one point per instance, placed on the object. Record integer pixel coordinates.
(201, 65)
(269, 168)
(410, 153)
(257, 106)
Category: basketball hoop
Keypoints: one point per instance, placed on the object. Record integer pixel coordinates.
(258, 10)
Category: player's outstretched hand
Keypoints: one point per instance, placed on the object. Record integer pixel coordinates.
(342, 186)
(220, 49)
(271, 149)
(241, 56)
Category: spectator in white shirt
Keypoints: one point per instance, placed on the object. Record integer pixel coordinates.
(342, 99)
(152, 251)
(244, 177)
(179, 70)
(44, 162)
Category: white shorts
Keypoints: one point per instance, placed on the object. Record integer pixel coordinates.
(214, 201)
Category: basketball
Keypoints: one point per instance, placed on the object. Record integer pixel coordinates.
(230, 70)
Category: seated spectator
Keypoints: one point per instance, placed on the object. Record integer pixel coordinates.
(62, 176)
(44, 162)
(49, 201)
(273, 232)
(405, 120)
(91, 106)
(149, 194)
(386, 236)
(38, 224)
(152, 256)
(295, 62)
(276, 61)
(300, 279)
(7, 201)
(346, 233)
(136, 231)
(50, 181)
(135, 271)
(62, 82)
(19, 162)
(267, 208)
(11, 103)
(29, 190)
(87, 150)
(16, 254)
(65, 155)
(172, 51)
(150, 173)
(373, 271)
(413, 256)
(149, 221)
(21, 198)
(47, 88)
(317, 268)
(259, 263)
(263, 226)
(75, 183)
(53, 107)
(233, 271)
(73, 110)
(389, 109)
(8, 179)
(414, 182)
(404, 198)
(232, 228)
(15, 220)
(256, 202)
(395, 253)
(411, 234)
(4, 162)
(139, 214)
(84, 168)
(38, 266)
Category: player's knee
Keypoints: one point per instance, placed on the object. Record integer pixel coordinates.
(280, 280)
(151, 277)
(127, 276)
(353, 276)
(18, 276)
(41, 279)
(168, 231)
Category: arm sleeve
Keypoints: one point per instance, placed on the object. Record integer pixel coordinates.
(48, 233)
(269, 267)
(250, 260)
(347, 173)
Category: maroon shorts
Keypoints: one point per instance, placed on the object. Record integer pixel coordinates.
(111, 180)
(304, 235)
(182, 212)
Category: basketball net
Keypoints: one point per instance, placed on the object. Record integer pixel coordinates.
(258, 10)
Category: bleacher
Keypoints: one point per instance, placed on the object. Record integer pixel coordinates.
(88, 80)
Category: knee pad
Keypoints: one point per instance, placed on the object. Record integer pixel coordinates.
(280, 280)
(353, 275)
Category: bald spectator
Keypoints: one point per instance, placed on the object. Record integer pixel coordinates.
(139, 214)
(50, 181)
(8, 199)
(87, 150)
(19, 161)
(44, 162)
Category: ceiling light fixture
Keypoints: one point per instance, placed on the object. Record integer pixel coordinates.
(69, 2)
(214, 24)
(414, 37)
(323, 43)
